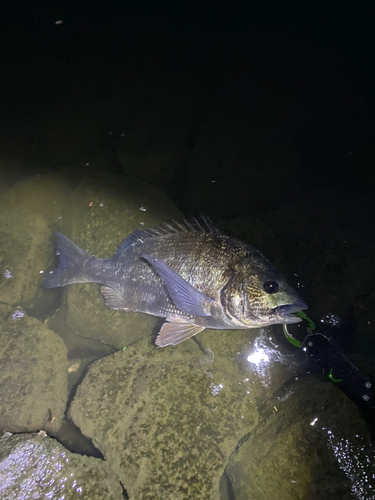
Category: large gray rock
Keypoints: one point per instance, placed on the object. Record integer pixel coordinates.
(33, 375)
(310, 443)
(166, 420)
(36, 466)
(43, 194)
(25, 251)
(100, 214)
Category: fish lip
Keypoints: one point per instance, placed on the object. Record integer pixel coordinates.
(286, 313)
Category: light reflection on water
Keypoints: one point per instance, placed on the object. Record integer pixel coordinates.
(264, 354)
(355, 461)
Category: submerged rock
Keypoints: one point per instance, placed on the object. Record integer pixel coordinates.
(101, 213)
(255, 357)
(163, 422)
(44, 195)
(33, 375)
(22, 236)
(36, 466)
(311, 443)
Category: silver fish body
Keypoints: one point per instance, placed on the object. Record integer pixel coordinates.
(188, 273)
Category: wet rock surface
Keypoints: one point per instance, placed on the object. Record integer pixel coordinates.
(33, 376)
(36, 466)
(166, 420)
(310, 443)
(101, 214)
(255, 358)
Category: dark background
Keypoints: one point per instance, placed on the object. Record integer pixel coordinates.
(282, 91)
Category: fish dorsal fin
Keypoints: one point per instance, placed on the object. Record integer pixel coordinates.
(138, 236)
(175, 330)
(200, 224)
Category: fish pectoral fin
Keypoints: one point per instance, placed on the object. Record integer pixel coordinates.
(184, 296)
(174, 331)
(113, 298)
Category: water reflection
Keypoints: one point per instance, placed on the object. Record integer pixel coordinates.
(356, 461)
(265, 359)
(258, 357)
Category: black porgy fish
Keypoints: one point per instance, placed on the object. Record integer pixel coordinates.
(189, 273)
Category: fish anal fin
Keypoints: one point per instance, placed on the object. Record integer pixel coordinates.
(176, 330)
(114, 299)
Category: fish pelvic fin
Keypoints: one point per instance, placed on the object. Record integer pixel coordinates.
(71, 264)
(186, 297)
(176, 330)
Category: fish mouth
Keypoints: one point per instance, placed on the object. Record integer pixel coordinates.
(286, 314)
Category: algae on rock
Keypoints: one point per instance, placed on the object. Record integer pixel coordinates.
(33, 376)
(160, 420)
(25, 251)
(44, 195)
(308, 445)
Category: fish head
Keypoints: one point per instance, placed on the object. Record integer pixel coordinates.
(257, 295)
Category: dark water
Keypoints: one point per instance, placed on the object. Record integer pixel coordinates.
(260, 116)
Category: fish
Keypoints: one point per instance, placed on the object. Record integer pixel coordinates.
(189, 273)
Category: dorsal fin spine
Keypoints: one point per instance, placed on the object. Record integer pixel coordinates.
(166, 229)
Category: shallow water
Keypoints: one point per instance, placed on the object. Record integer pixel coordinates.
(268, 380)
(117, 134)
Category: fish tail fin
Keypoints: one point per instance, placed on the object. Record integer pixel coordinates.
(71, 264)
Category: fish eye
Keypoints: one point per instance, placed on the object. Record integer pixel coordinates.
(271, 286)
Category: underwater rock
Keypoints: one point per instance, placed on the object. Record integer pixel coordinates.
(33, 375)
(22, 236)
(36, 466)
(12, 170)
(310, 443)
(43, 194)
(259, 358)
(166, 420)
(102, 211)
